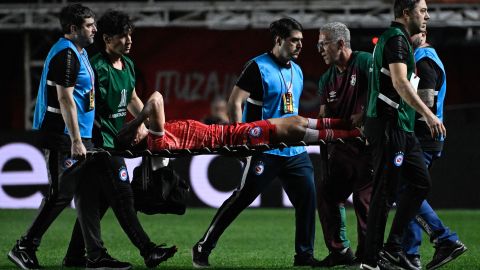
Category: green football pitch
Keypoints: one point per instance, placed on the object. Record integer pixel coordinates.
(258, 239)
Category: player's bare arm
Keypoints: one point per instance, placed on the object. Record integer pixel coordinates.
(235, 102)
(135, 106)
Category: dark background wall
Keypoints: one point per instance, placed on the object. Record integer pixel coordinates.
(191, 66)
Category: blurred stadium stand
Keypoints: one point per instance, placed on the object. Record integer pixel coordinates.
(240, 14)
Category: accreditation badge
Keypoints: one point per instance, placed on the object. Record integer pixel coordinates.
(287, 99)
(91, 97)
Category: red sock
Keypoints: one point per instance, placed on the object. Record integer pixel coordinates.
(334, 134)
(333, 123)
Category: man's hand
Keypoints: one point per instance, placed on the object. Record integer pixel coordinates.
(78, 150)
(437, 129)
(357, 119)
(131, 133)
(141, 133)
(125, 135)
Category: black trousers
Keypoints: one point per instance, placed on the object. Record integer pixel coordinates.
(61, 190)
(296, 174)
(397, 156)
(104, 184)
(348, 170)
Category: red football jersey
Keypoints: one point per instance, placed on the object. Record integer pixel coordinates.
(190, 134)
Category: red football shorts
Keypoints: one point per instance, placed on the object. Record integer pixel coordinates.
(190, 134)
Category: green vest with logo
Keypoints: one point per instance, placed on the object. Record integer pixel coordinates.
(113, 93)
(405, 113)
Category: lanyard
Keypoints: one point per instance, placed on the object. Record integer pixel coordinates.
(287, 97)
(91, 104)
(89, 68)
(289, 88)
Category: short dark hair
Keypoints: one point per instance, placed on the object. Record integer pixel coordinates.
(112, 23)
(74, 14)
(284, 27)
(400, 5)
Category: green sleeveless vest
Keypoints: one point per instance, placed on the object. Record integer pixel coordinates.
(405, 113)
(113, 94)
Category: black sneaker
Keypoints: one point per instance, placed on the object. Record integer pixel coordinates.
(397, 259)
(200, 256)
(75, 261)
(105, 261)
(24, 256)
(386, 265)
(379, 264)
(306, 260)
(338, 258)
(415, 260)
(159, 254)
(446, 252)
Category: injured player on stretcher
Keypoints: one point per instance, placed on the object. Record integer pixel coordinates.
(191, 134)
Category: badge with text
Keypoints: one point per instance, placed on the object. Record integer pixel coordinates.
(91, 98)
(287, 102)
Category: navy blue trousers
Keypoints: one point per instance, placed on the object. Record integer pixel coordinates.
(426, 220)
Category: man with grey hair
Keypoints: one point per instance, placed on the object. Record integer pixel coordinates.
(343, 94)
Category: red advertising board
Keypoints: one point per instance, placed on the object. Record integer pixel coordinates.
(190, 67)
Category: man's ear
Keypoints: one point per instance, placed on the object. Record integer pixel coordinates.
(406, 13)
(341, 43)
(278, 40)
(73, 29)
(106, 38)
